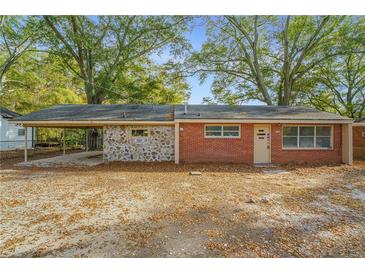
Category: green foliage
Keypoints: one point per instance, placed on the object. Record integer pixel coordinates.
(283, 60)
(273, 58)
(108, 48)
(150, 84)
(38, 81)
(83, 59)
(339, 86)
(338, 83)
(18, 35)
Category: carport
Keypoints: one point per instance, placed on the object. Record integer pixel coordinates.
(57, 125)
(122, 124)
(63, 117)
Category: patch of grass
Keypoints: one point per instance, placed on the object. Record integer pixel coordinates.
(345, 200)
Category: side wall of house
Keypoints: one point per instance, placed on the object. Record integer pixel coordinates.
(358, 142)
(280, 155)
(119, 145)
(10, 138)
(194, 147)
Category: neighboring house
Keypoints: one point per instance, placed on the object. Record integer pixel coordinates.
(359, 138)
(208, 133)
(12, 136)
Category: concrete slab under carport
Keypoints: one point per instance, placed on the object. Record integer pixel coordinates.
(88, 158)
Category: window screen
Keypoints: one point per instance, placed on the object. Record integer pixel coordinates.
(229, 131)
(307, 136)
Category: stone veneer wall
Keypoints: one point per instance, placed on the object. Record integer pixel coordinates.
(120, 146)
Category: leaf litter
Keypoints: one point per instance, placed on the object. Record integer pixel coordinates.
(159, 210)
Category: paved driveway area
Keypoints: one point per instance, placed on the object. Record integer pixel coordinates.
(86, 158)
(159, 210)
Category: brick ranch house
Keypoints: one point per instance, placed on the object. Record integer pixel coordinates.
(359, 138)
(208, 133)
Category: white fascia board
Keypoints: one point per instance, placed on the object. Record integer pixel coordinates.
(92, 122)
(222, 121)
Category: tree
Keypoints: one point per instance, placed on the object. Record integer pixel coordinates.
(17, 36)
(339, 86)
(105, 47)
(150, 84)
(37, 81)
(265, 57)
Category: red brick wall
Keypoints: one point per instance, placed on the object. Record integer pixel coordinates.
(194, 147)
(280, 155)
(358, 142)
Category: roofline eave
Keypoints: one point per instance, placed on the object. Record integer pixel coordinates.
(266, 121)
(89, 123)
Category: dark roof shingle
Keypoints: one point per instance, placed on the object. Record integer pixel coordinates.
(8, 114)
(125, 112)
(102, 113)
(254, 112)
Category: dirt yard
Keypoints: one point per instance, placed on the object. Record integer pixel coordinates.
(159, 210)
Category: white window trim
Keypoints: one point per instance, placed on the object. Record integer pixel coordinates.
(222, 137)
(138, 137)
(315, 136)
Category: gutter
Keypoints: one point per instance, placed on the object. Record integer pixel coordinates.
(264, 121)
(89, 123)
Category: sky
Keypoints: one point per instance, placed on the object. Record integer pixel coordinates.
(198, 91)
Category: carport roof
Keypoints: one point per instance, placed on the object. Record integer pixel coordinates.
(102, 113)
(169, 113)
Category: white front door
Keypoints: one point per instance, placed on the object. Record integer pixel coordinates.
(262, 143)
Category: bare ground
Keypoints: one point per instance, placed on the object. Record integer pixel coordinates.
(159, 210)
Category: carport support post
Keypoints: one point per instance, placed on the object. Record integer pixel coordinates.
(64, 141)
(25, 144)
(87, 139)
(347, 144)
(177, 142)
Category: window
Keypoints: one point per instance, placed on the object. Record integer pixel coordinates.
(222, 131)
(304, 137)
(323, 137)
(21, 131)
(139, 133)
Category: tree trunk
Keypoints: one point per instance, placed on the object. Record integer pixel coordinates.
(92, 138)
(93, 135)
(92, 98)
(284, 94)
